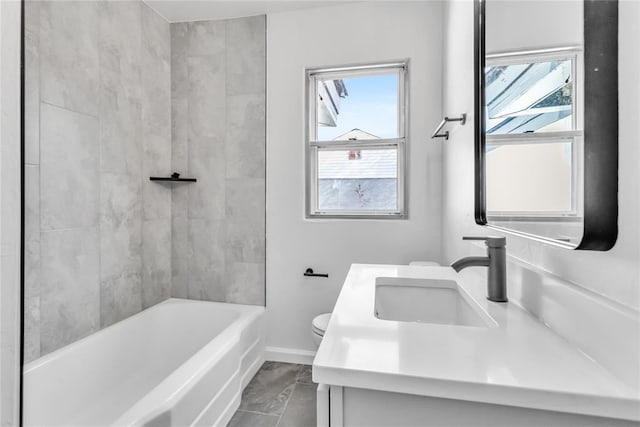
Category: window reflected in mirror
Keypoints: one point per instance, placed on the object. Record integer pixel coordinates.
(533, 135)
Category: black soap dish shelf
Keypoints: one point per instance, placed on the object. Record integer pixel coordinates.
(175, 177)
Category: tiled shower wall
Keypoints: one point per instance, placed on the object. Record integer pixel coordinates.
(218, 136)
(98, 124)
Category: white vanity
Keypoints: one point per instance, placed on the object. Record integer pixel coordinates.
(421, 346)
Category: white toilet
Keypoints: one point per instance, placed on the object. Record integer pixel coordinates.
(319, 326)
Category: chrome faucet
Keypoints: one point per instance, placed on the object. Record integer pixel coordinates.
(496, 260)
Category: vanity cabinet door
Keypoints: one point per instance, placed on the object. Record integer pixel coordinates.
(355, 407)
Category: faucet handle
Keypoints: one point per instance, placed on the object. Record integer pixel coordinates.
(491, 241)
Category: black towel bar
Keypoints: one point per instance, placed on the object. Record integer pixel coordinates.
(309, 273)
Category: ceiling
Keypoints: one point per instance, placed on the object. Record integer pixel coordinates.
(200, 10)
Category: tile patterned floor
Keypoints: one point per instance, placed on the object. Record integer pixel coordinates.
(279, 395)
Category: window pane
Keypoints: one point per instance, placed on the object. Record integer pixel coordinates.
(358, 180)
(532, 178)
(530, 97)
(364, 107)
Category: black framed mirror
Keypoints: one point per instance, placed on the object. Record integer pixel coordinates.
(546, 128)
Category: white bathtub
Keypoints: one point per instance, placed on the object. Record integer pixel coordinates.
(178, 363)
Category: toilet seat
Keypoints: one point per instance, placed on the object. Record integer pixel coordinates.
(320, 323)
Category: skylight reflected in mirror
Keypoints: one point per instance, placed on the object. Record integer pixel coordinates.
(529, 97)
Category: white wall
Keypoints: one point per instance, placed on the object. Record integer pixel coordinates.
(336, 35)
(605, 279)
(10, 212)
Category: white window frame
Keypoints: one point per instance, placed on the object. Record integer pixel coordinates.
(313, 145)
(574, 136)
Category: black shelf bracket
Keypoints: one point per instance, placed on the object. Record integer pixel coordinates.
(175, 177)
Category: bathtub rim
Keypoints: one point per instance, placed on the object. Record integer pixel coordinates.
(28, 367)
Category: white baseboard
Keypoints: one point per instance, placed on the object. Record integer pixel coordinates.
(289, 355)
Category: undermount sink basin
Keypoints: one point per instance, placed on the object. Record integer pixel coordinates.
(427, 301)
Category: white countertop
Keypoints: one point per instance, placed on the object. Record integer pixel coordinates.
(519, 363)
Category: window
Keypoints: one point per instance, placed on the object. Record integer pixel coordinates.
(533, 135)
(356, 137)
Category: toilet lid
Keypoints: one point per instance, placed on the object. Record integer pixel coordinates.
(320, 323)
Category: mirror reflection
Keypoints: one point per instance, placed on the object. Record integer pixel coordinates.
(533, 118)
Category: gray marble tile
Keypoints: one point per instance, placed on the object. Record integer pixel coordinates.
(69, 186)
(305, 375)
(156, 145)
(157, 157)
(252, 419)
(120, 226)
(156, 117)
(156, 83)
(120, 124)
(180, 199)
(270, 389)
(207, 96)
(120, 197)
(31, 203)
(119, 40)
(179, 53)
(179, 237)
(206, 260)
(245, 213)
(245, 141)
(156, 162)
(207, 164)
(155, 77)
(32, 268)
(156, 261)
(156, 72)
(156, 113)
(32, 15)
(179, 136)
(301, 408)
(69, 54)
(179, 277)
(246, 200)
(31, 328)
(107, 66)
(206, 38)
(32, 263)
(157, 33)
(245, 283)
(179, 243)
(120, 296)
(31, 96)
(156, 196)
(221, 141)
(246, 52)
(70, 292)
